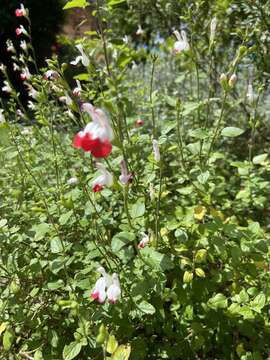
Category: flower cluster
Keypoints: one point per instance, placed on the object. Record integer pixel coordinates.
(106, 287)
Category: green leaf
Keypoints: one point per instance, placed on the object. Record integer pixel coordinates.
(259, 302)
(120, 240)
(72, 350)
(257, 160)
(76, 3)
(115, 2)
(219, 301)
(8, 339)
(199, 134)
(65, 217)
(38, 355)
(122, 353)
(146, 307)
(203, 177)
(3, 222)
(232, 131)
(137, 209)
(4, 134)
(82, 77)
(56, 246)
(156, 259)
(41, 230)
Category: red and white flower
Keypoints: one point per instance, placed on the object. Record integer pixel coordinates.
(104, 179)
(114, 290)
(25, 74)
(77, 90)
(97, 135)
(145, 240)
(181, 44)
(21, 30)
(50, 74)
(99, 291)
(83, 58)
(21, 11)
(139, 122)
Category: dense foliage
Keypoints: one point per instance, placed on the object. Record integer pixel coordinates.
(177, 207)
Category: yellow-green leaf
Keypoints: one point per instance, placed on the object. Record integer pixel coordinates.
(3, 327)
(122, 353)
(199, 212)
(8, 339)
(112, 344)
(76, 3)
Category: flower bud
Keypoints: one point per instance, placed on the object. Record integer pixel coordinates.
(232, 80)
(223, 81)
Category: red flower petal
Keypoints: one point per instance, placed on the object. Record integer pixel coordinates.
(87, 142)
(95, 295)
(101, 149)
(77, 141)
(97, 188)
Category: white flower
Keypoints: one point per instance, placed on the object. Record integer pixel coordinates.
(156, 150)
(23, 45)
(125, 176)
(213, 26)
(251, 97)
(33, 93)
(181, 44)
(114, 290)
(105, 179)
(125, 39)
(152, 192)
(145, 240)
(16, 67)
(100, 127)
(139, 31)
(2, 67)
(66, 99)
(10, 46)
(31, 105)
(2, 116)
(6, 88)
(73, 181)
(83, 58)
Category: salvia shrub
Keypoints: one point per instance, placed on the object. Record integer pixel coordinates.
(135, 203)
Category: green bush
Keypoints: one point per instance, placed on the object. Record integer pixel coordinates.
(175, 202)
